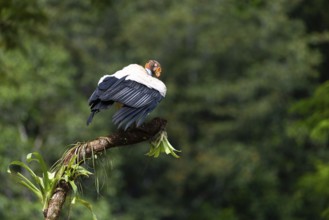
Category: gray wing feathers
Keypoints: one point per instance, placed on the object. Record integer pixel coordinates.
(139, 102)
(126, 116)
(131, 95)
(138, 99)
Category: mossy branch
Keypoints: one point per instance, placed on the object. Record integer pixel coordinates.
(82, 151)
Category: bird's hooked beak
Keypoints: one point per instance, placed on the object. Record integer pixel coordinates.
(157, 72)
(154, 67)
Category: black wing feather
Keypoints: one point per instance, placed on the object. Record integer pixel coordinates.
(138, 100)
(128, 118)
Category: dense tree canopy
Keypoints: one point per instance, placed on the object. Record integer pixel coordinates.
(247, 104)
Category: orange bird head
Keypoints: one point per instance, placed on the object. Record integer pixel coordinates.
(155, 68)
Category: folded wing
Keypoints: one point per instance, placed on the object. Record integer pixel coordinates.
(138, 100)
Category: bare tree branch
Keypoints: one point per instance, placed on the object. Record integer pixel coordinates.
(85, 151)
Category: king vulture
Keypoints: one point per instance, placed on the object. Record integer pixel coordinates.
(137, 89)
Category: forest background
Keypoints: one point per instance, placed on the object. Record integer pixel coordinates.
(247, 103)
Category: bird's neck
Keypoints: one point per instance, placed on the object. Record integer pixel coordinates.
(149, 72)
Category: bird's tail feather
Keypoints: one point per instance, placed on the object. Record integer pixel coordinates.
(90, 118)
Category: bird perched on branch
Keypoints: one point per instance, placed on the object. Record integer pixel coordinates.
(136, 88)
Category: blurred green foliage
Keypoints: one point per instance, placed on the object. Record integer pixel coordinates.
(247, 104)
(18, 19)
(314, 113)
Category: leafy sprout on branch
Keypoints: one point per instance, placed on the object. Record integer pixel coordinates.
(43, 186)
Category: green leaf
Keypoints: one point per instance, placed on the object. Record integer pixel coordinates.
(28, 184)
(86, 204)
(161, 144)
(74, 187)
(38, 158)
(31, 172)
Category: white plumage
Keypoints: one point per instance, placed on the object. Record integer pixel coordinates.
(139, 74)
